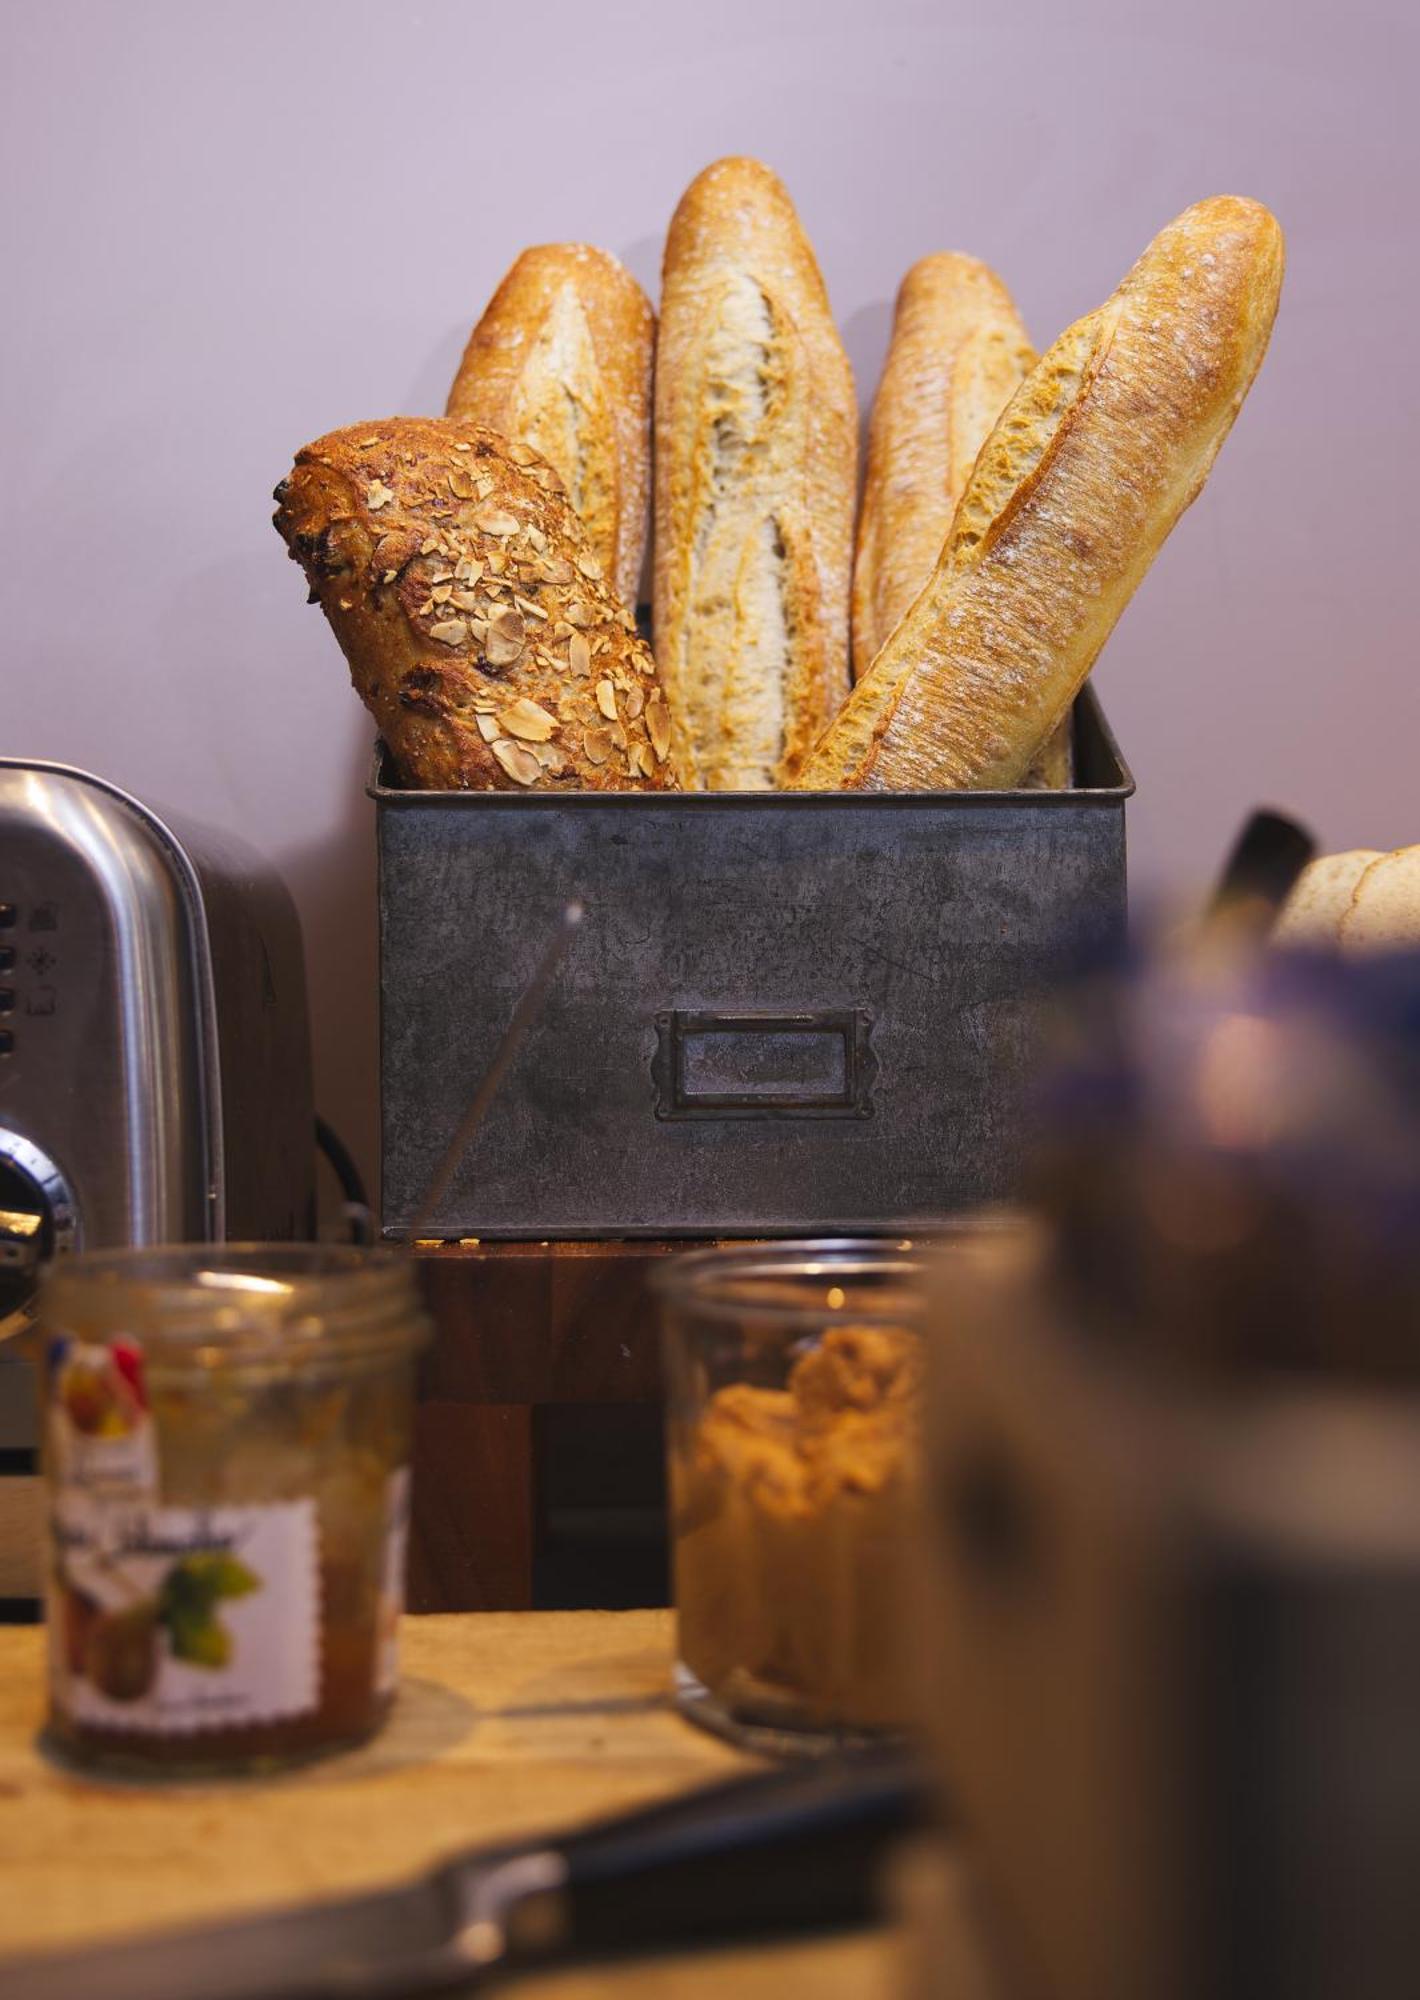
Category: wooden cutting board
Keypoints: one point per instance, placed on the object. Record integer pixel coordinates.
(508, 1723)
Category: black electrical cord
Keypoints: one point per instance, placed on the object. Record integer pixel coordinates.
(352, 1186)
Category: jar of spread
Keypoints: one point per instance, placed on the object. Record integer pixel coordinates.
(227, 1442)
(794, 1379)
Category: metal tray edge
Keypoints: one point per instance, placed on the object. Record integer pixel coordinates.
(400, 796)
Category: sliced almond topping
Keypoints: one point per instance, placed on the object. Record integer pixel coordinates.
(596, 745)
(466, 570)
(429, 545)
(365, 443)
(463, 445)
(449, 632)
(526, 604)
(488, 727)
(483, 487)
(497, 561)
(555, 569)
(643, 760)
(579, 655)
(505, 638)
(496, 521)
(389, 576)
(520, 454)
(521, 765)
(658, 723)
(501, 652)
(378, 496)
(550, 758)
(442, 594)
(466, 600)
(588, 565)
(577, 613)
(618, 735)
(460, 485)
(525, 719)
(634, 703)
(606, 700)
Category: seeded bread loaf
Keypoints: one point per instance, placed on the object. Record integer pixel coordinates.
(958, 353)
(755, 456)
(561, 360)
(1105, 443)
(480, 630)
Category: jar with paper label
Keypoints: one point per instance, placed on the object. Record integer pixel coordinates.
(227, 1442)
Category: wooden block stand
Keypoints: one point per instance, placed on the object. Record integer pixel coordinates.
(539, 1407)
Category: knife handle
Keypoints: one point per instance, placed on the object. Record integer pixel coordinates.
(789, 1850)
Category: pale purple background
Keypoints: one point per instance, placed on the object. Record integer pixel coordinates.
(229, 228)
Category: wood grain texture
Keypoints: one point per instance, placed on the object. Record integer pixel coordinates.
(1105, 444)
(561, 360)
(505, 1727)
(756, 443)
(472, 1511)
(543, 1323)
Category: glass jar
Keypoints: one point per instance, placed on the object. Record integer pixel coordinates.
(227, 1441)
(794, 1386)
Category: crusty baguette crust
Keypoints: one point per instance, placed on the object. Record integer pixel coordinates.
(1321, 896)
(755, 456)
(957, 355)
(562, 360)
(480, 629)
(1384, 911)
(1106, 442)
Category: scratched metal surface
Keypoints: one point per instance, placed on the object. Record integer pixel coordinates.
(780, 1013)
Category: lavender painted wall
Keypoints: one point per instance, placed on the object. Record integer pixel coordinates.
(230, 227)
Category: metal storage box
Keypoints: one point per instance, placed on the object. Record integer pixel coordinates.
(782, 1012)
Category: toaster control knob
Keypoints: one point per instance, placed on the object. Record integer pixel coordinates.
(36, 1223)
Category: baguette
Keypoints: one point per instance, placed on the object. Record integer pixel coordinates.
(561, 359)
(479, 628)
(1312, 915)
(755, 456)
(958, 353)
(1384, 911)
(1105, 443)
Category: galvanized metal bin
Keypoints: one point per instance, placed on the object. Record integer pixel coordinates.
(782, 1012)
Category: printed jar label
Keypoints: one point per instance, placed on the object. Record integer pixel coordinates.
(168, 1620)
(100, 1426)
(165, 1620)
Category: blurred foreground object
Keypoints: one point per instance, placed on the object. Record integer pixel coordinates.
(1174, 1437)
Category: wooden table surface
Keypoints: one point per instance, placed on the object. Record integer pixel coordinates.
(506, 1724)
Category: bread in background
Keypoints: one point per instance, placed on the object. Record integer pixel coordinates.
(561, 359)
(480, 629)
(957, 355)
(755, 472)
(1104, 445)
(1384, 911)
(1319, 899)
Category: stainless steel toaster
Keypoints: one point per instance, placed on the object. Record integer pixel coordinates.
(155, 1075)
